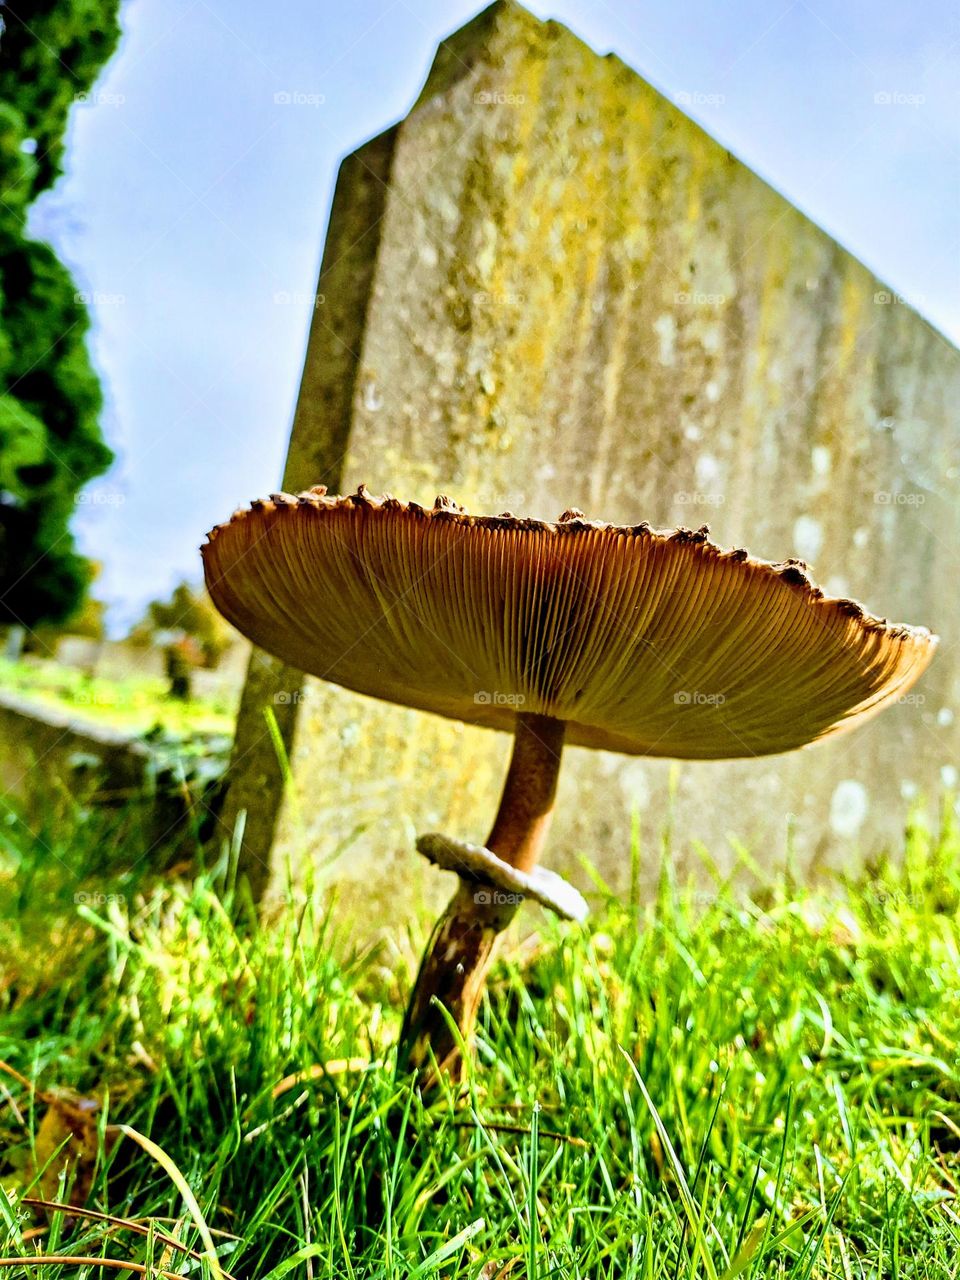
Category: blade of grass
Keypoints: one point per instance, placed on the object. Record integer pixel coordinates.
(180, 1182)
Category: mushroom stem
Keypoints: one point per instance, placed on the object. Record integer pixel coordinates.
(458, 955)
(526, 805)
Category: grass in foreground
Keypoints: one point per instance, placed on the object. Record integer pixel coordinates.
(689, 1089)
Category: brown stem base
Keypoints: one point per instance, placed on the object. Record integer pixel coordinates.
(454, 967)
(452, 975)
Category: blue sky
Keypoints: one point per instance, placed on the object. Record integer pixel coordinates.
(192, 199)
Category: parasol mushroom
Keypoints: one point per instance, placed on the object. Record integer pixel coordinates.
(622, 638)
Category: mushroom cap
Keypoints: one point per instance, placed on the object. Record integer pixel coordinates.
(643, 642)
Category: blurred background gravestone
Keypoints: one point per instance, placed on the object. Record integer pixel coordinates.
(547, 287)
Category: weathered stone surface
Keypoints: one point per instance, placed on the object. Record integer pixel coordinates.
(548, 288)
(80, 761)
(54, 765)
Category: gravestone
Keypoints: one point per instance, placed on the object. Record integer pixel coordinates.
(547, 287)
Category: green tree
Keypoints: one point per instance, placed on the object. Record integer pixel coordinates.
(89, 621)
(189, 612)
(50, 399)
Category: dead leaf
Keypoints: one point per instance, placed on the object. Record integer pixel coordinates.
(66, 1146)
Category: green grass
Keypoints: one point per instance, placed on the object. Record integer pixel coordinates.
(134, 704)
(697, 1087)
